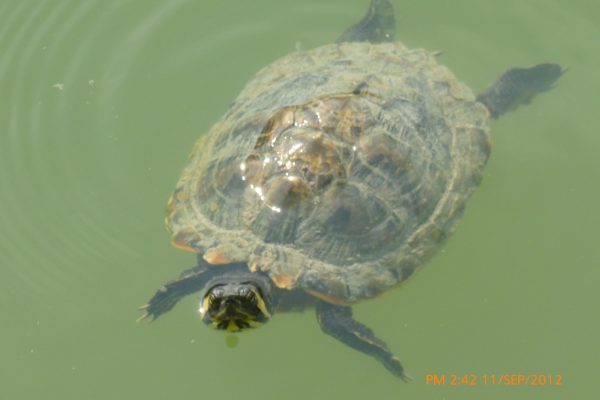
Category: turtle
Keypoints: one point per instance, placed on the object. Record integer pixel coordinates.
(335, 174)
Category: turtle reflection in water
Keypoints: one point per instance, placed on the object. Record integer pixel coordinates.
(334, 175)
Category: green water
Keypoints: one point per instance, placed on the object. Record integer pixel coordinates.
(100, 103)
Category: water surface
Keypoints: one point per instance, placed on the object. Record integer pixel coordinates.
(100, 103)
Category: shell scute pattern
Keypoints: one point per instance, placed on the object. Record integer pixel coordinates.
(337, 170)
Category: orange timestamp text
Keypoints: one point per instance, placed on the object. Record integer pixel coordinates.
(494, 379)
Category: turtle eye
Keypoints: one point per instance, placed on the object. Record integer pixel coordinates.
(214, 295)
(217, 292)
(247, 294)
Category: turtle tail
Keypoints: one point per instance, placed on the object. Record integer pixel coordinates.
(377, 26)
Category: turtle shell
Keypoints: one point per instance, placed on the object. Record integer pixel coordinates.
(337, 170)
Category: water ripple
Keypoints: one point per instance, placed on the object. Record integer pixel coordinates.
(64, 178)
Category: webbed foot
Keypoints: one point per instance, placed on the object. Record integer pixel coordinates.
(519, 86)
(337, 321)
(377, 26)
(168, 295)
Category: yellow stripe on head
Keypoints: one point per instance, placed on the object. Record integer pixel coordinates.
(260, 303)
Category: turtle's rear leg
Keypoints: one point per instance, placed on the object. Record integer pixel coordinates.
(519, 86)
(379, 25)
(337, 321)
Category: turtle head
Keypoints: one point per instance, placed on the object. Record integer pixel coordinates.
(236, 304)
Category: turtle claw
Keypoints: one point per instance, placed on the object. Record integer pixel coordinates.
(146, 314)
(337, 321)
(397, 369)
(142, 317)
(407, 378)
(169, 294)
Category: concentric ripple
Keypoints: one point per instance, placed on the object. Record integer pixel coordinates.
(86, 90)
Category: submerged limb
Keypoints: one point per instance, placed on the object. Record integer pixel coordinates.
(518, 86)
(337, 322)
(165, 298)
(378, 26)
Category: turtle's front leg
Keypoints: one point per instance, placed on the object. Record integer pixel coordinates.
(337, 321)
(165, 298)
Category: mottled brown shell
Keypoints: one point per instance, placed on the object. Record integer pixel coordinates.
(337, 170)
